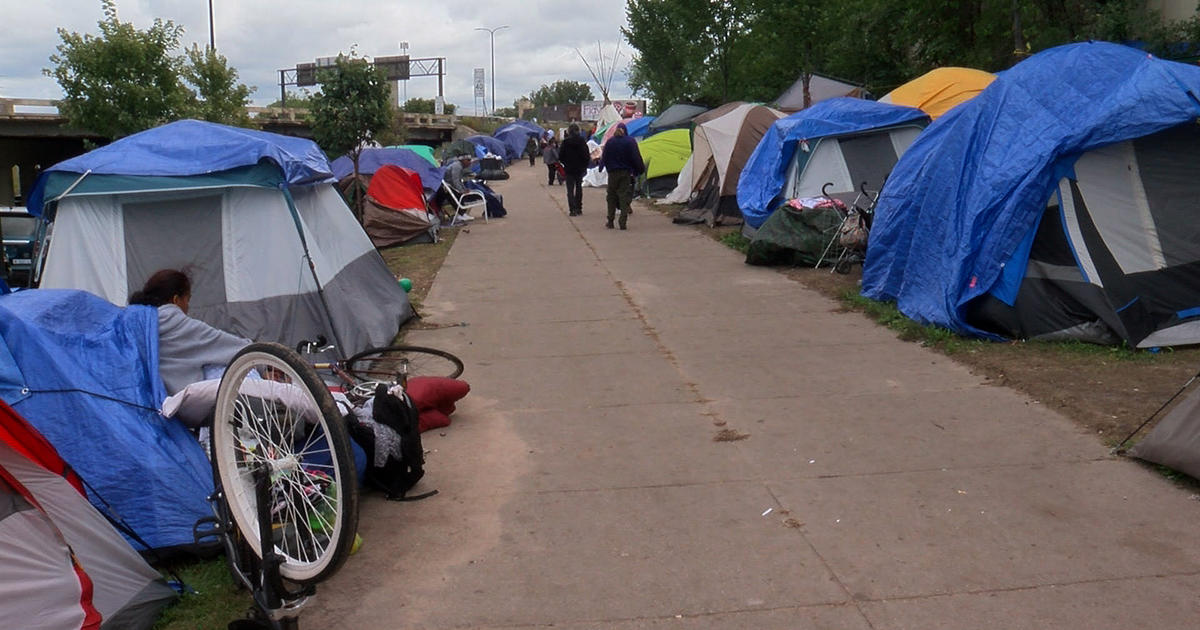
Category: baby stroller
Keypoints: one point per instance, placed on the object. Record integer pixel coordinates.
(848, 244)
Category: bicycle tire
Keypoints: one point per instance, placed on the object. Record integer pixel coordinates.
(273, 409)
(384, 364)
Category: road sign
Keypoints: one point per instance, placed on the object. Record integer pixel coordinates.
(479, 83)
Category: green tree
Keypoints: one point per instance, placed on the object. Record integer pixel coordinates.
(561, 92)
(350, 111)
(425, 106)
(722, 50)
(670, 63)
(221, 98)
(303, 100)
(123, 81)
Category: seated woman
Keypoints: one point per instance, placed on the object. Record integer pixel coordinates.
(185, 345)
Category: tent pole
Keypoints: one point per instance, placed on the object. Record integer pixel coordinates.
(312, 268)
(1120, 448)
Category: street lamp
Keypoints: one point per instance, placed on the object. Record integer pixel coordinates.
(492, 36)
(212, 42)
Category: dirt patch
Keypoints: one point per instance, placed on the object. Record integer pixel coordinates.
(1108, 391)
(420, 264)
(730, 435)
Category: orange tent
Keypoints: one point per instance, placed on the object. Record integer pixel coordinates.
(937, 91)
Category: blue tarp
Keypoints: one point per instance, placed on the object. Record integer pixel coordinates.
(975, 183)
(765, 172)
(193, 147)
(515, 135)
(370, 160)
(85, 373)
(489, 144)
(638, 127)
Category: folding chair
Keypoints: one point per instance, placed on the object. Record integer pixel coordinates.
(464, 203)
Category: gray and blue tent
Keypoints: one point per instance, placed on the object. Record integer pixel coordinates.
(488, 144)
(515, 135)
(843, 142)
(677, 116)
(1062, 202)
(273, 251)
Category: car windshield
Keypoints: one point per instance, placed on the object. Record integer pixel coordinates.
(18, 227)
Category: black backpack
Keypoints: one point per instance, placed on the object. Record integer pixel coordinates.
(398, 474)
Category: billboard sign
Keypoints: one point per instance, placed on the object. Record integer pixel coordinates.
(627, 108)
(394, 68)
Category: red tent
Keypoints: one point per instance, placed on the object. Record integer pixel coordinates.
(64, 566)
(395, 212)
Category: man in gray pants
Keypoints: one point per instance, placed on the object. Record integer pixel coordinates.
(623, 161)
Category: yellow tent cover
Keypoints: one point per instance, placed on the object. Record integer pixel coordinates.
(937, 91)
(666, 152)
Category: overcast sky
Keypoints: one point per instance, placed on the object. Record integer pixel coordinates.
(258, 37)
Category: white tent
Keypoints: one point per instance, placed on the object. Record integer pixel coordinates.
(270, 258)
(64, 566)
(723, 140)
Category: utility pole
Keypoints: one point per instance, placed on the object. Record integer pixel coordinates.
(492, 36)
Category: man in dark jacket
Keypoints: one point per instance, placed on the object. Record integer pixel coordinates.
(623, 161)
(574, 157)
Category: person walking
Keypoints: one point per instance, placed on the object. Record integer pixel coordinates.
(531, 148)
(574, 156)
(550, 158)
(623, 161)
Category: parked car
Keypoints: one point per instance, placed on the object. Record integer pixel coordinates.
(25, 238)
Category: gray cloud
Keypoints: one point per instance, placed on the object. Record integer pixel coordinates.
(259, 38)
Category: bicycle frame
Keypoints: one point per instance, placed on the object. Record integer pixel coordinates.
(279, 605)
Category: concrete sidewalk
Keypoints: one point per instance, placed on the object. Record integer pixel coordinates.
(878, 485)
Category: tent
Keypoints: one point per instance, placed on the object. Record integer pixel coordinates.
(395, 212)
(273, 251)
(64, 565)
(371, 159)
(936, 91)
(489, 145)
(515, 135)
(1030, 212)
(99, 408)
(422, 150)
(819, 89)
(665, 154)
(846, 142)
(637, 127)
(457, 148)
(677, 116)
(722, 141)
(1174, 441)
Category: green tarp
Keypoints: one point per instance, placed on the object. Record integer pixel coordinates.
(794, 237)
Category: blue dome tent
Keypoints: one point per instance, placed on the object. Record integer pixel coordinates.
(1060, 202)
(843, 141)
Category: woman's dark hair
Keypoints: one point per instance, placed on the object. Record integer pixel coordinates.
(164, 285)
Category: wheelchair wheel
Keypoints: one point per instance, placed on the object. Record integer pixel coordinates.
(274, 412)
(399, 363)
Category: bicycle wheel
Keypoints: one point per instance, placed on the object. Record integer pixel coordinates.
(396, 363)
(274, 412)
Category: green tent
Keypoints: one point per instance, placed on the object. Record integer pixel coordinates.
(420, 149)
(665, 154)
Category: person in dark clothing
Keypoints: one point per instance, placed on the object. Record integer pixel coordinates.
(531, 148)
(550, 158)
(574, 157)
(623, 161)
